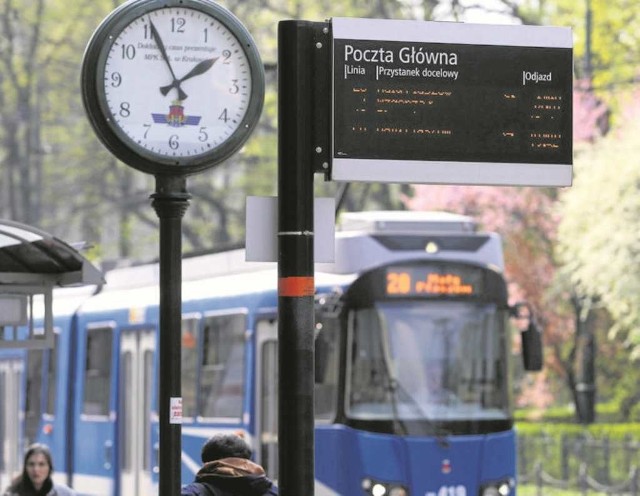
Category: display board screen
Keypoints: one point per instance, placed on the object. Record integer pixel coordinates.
(452, 103)
(429, 280)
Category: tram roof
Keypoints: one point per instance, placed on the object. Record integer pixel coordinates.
(395, 221)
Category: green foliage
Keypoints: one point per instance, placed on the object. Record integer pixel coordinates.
(555, 414)
(606, 42)
(609, 451)
(615, 431)
(607, 413)
(532, 490)
(615, 45)
(598, 240)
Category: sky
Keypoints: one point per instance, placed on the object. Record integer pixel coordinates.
(487, 13)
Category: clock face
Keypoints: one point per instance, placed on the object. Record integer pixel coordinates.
(181, 86)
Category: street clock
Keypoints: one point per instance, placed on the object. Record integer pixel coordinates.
(172, 86)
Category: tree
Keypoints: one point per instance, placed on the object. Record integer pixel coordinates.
(598, 239)
(48, 153)
(28, 53)
(607, 39)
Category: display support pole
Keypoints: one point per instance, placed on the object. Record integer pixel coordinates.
(295, 259)
(170, 202)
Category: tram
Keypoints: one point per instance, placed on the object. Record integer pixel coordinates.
(413, 367)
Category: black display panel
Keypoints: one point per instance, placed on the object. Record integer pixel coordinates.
(452, 102)
(433, 280)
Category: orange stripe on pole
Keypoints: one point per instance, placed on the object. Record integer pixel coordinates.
(296, 286)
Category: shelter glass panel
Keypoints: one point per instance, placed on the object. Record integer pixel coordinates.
(33, 407)
(52, 376)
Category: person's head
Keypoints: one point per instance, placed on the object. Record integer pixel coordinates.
(225, 446)
(38, 465)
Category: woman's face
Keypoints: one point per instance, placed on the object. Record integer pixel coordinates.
(37, 469)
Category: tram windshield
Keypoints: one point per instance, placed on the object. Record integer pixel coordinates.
(436, 360)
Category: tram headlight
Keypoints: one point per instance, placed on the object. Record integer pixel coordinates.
(376, 488)
(398, 491)
(498, 488)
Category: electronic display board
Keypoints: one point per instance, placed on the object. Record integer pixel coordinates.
(451, 103)
(430, 280)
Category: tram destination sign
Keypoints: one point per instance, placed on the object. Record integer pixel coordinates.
(451, 103)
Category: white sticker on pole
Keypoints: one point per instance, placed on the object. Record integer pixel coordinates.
(175, 410)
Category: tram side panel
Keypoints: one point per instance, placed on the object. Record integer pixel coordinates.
(122, 425)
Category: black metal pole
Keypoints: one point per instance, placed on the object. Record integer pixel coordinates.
(295, 259)
(170, 202)
(588, 66)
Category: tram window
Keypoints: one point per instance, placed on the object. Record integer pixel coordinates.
(97, 372)
(189, 365)
(52, 376)
(34, 394)
(222, 372)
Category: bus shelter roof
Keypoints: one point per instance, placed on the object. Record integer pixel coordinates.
(30, 256)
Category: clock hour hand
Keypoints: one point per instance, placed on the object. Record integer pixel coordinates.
(200, 68)
(163, 52)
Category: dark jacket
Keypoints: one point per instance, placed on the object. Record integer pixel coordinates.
(231, 477)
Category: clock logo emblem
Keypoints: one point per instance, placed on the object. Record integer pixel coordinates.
(176, 117)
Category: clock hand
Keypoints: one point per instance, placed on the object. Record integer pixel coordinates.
(163, 52)
(200, 68)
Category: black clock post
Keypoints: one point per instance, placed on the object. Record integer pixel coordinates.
(170, 202)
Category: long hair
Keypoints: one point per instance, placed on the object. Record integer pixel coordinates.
(23, 483)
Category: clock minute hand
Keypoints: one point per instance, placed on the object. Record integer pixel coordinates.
(163, 52)
(200, 68)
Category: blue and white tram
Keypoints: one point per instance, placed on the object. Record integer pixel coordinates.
(413, 345)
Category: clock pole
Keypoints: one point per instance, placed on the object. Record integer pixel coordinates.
(170, 202)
